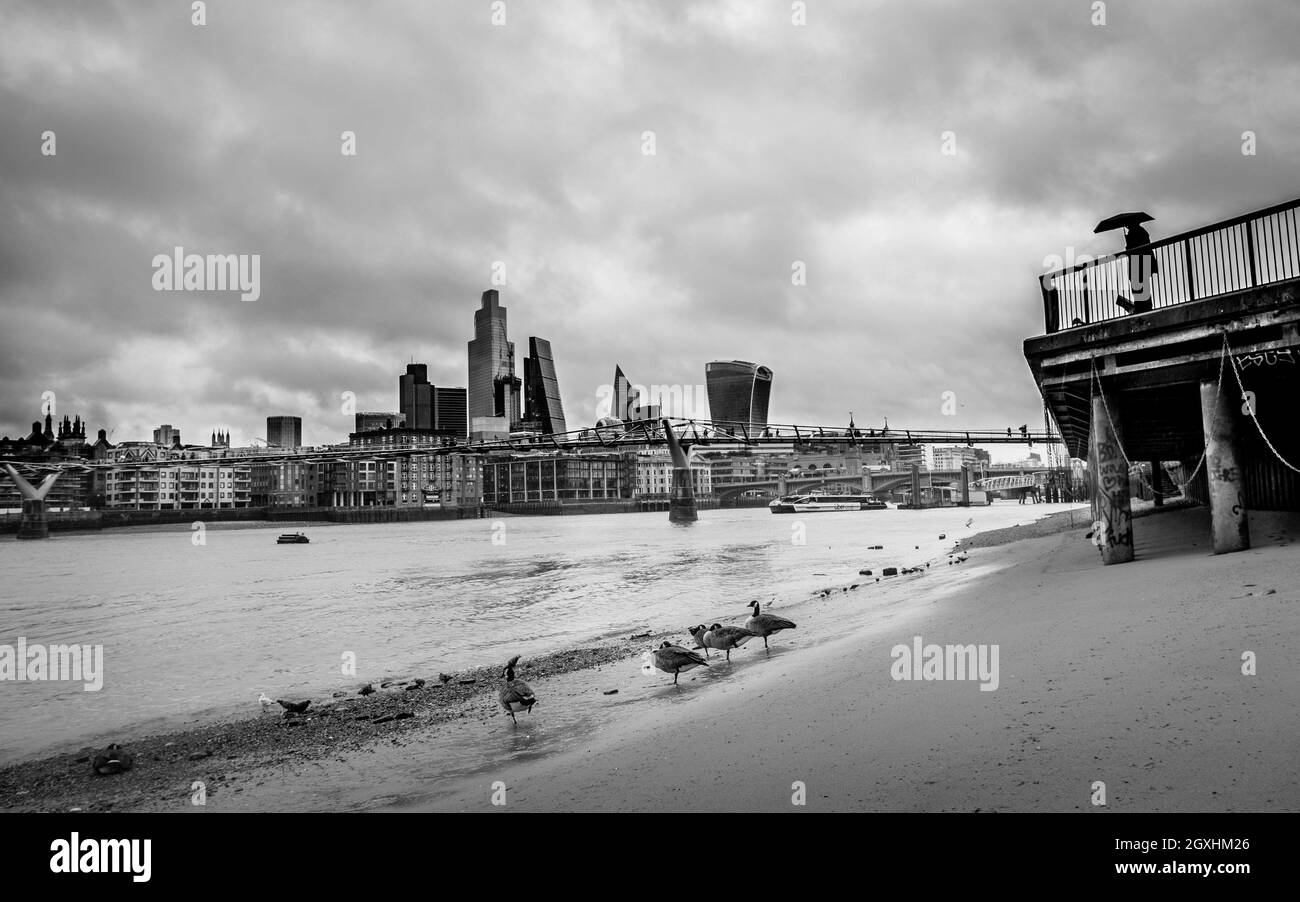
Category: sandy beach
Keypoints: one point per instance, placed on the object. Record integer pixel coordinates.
(1129, 675)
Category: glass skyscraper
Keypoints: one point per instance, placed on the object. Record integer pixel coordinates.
(542, 405)
(493, 386)
(739, 392)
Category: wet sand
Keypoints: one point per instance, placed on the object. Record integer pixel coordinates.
(1127, 674)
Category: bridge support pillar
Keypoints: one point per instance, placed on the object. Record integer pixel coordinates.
(965, 486)
(681, 503)
(1112, 506)
(33, 524)
(916, 486)
(1228, 521)
(1157, 484)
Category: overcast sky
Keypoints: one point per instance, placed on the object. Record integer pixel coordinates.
(523, 143)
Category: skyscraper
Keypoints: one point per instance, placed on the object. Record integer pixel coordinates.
(415, 397)
(284, 432)
(739, 392)
(626, 398)
(450, 411)
(493, 386)
(542, 404)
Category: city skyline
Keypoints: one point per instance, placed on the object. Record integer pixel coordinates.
(658, 262)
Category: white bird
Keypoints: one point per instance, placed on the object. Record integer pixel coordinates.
(265, 701)
(766, 624)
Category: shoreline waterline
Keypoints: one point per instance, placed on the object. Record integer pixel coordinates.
(264, 741)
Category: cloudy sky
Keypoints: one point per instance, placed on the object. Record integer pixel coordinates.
(523, 144)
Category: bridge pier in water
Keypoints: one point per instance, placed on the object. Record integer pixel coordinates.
(34, 523)
(1223, 470)
(1112, 505)
(681, 502)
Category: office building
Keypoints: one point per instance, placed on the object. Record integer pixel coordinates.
(739, 392)
(415, 397)
(542, 406)
(373, 420)
(284, 432)
(166, 435)
(450, 412)
(493, 387)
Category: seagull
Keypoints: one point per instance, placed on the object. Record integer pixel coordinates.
(265, 701)
(515, 694)
(766, 624)
(725, 638)
(293, 707)
(674, 659)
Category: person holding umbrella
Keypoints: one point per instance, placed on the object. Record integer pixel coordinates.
(1141, 265)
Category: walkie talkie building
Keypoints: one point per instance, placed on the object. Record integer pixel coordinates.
(739, 392)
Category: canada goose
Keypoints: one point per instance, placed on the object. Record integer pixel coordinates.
(766, 624)
(515, 694)
(293, 707)
(725, 638)
(674, 659)
(697, 633)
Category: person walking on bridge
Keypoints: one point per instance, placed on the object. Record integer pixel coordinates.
(1141, 262)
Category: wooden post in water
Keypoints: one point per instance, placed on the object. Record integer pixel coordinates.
(1114, 512)
(1228, 520)
(965, 485)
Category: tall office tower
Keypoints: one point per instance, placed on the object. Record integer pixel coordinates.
(493, 386)
(627, 398)
(738, 392)
(542, 389)
(284, 432)
(450, 411)
(415, 397)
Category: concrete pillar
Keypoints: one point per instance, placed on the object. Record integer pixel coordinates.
(916, 486)
(681, 503)
(965, 486)
(1113, 510)
(33, 524)
(1228, 520)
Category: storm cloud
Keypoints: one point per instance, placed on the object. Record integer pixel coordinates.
(522, 144)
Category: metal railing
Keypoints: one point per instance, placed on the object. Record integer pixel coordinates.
(1249, 251)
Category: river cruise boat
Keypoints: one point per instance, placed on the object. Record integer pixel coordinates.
(292, 538)
(803, 504)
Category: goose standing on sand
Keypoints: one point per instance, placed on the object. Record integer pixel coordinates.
(766, 624)
(725, 638)
(674, 659)
(515, 694)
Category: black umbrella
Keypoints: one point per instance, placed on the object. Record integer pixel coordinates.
(1122, 220)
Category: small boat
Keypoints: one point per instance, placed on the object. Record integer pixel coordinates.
(292, 538)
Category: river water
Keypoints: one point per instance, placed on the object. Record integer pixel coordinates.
(192, 632)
